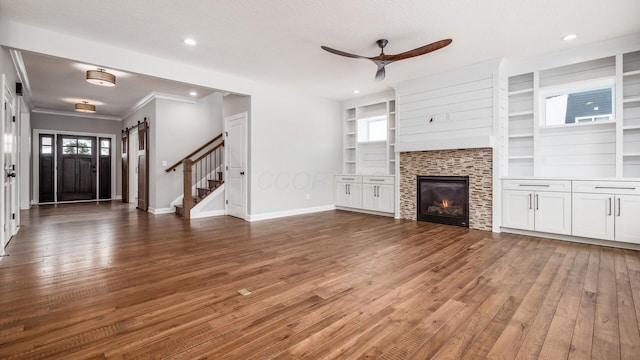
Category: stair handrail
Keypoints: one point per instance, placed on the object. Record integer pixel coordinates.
(208, 152)
(187, 168)
(174, 166)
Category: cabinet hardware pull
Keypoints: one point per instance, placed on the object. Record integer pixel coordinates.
(347, 189)
(615, 187)
(376, 179)
(348, 179)
(537, 203)
(539, 185)
(618, 206)
(609, 206)
(530, 206)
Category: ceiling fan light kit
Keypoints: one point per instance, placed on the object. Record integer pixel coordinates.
(85, 107)
(383, 59)
(101, 77)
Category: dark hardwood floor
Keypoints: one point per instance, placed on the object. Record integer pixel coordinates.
(107, 281)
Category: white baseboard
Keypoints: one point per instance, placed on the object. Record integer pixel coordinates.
(160, 211)
(117, 197)
(279, 214)
(578, 239)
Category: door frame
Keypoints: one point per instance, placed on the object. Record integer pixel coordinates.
(132, 176)
(36, 165)
(245, 116)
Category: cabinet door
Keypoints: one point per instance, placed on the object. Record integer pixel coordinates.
(369, 198)
(517, 209)
(553, 212)
(627, 211)
(342, 194)
(386, 198)
(355, 195)
(593, 216)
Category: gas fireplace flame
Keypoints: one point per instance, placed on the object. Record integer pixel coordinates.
(444, 204)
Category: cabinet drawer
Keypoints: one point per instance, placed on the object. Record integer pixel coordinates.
(537, 185)
(607, 187)
(349, 178)
(378, 180)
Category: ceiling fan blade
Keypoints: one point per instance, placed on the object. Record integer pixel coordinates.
(342, 53)
(380, 73)
(419, 51)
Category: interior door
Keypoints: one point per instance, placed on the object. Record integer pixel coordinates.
(9, 169)
(76, 168)
(125, 165)
(236, 179)
(143, 166)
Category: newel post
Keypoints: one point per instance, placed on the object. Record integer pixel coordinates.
(187, 201)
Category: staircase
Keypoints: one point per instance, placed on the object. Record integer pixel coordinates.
(202, 192)
(202, 175)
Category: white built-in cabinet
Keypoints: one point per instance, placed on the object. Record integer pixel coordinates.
(537, 205)
(608, 211)
(369, 193)
(367, 182)
(607, 149)
(349, 191)
(377, 193)
(594, 209)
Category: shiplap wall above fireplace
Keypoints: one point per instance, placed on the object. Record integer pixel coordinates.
(454, 110)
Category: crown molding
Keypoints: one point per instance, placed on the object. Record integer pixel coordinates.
(76, 114)
(21, 70)
(157, 95)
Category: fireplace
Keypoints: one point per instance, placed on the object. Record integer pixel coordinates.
(444, 200)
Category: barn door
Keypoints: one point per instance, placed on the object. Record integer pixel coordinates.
(143, 166)
(125, 166)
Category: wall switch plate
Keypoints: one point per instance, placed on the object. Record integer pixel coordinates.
(164, 162)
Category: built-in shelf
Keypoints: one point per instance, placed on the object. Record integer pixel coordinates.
(392, 113)
(515, 136)
(631, 73)
(350, 161)
(631, 127)
(631, 154)
(392, 129)
(631, 99)
(524, 157)
(350, 147)
(521, 113)
(523, 91)
(350, 133)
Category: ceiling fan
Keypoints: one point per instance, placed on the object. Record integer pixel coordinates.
(383, 59)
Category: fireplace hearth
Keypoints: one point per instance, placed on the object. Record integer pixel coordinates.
(443, 200)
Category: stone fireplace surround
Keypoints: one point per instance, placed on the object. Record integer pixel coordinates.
(475, 163)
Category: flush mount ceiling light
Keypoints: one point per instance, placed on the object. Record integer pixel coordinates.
(101, 77)
(356, 91)
(189, 42)
(85, 107)
(569, 37)
(193, 93)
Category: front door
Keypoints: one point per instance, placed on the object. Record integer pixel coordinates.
(76, 167)
(236, 179)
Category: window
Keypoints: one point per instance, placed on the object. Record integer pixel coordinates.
(105, 147)
(578, 104)
(372, 129)
(76, 146)
(46, 144)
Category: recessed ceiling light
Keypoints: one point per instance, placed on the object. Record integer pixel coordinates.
(569, 37)
(189, 41)
(193, 93)
(356, 91)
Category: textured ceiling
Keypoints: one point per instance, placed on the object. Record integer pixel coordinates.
(278, 42)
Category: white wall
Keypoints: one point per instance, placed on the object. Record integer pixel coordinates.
(291, 134)
(180, 129)
(24, 173)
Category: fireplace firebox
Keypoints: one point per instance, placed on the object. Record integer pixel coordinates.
(444, 200)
